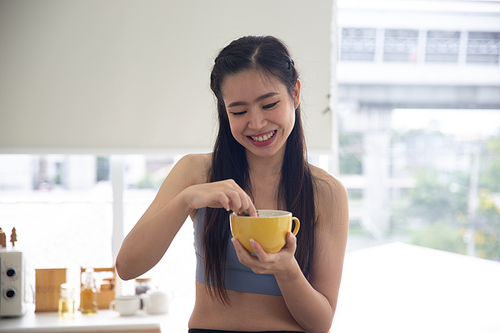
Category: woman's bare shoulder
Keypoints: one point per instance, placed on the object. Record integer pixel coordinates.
(198, 159)
(325, 181)
(195, 167)
(190, 170)
(331, 196)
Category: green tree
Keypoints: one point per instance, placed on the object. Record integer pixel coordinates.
(350, 156)
(440, 235)
(431, 199)
(487, 236)
(445, 213)
(490, 174)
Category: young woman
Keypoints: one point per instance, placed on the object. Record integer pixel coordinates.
(259, 160)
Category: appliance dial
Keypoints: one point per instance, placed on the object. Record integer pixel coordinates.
(11, 272)
(10, 293)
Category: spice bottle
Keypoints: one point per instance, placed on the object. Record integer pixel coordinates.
(88, 294)
(66, 302)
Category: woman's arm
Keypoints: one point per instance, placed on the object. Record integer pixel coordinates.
(312, 303)
(150, 238)
(183, 192)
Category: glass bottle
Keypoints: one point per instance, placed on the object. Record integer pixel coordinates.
(88, 294)
(66, 302)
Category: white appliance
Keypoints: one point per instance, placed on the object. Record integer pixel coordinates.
(11, 283)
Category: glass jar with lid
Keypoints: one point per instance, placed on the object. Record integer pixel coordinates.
(66, 307)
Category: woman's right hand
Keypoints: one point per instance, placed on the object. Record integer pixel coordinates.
(183, 191)
(222, 194)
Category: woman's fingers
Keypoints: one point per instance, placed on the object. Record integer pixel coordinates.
(267, 263)
(251, 210)
(240, 202)
(291, 242)
(236, 200)
(223, 194)
(244, 256)
(259, 251)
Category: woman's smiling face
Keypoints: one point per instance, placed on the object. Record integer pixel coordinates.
(261, 112)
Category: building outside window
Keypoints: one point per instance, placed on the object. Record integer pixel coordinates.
(442, 46)
(483, 47)
(358, 44)
(418, 132)
(400, 45)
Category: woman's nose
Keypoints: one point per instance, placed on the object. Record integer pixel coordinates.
(257, 120)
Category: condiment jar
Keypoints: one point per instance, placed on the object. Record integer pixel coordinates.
(66, 302)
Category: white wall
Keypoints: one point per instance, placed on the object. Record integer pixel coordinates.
(133, 76)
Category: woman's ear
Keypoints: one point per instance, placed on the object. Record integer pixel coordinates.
(296, 94)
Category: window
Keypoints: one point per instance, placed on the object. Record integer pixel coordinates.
(62, 206)
(62, 209)
(418, 143)
(483, 47)
(358, 44)
(62, 214)
(442, 46)
(400, 45)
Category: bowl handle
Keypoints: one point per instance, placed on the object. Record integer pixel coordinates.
(296, 227)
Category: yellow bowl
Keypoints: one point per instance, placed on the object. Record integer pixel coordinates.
(269, 229)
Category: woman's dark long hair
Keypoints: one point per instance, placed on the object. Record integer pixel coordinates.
(296, 191)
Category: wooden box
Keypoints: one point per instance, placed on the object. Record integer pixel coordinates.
(47, 288)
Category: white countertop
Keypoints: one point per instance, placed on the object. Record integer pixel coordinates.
(104, 320)
(398, 287)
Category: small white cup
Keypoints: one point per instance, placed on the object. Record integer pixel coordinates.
(125, 305)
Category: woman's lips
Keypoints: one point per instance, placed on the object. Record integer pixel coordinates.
(262, 140)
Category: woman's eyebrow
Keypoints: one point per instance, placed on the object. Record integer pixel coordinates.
(258, 99)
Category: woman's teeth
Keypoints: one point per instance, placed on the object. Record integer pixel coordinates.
(263, 137)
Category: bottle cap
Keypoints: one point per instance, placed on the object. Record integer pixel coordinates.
(66, 290)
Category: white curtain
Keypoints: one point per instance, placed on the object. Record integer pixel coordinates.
(133, 76)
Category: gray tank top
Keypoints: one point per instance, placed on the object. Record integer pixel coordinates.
(237, 276)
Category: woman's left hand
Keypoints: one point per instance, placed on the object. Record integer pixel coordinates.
(268, 263)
